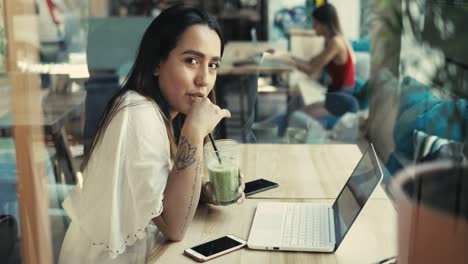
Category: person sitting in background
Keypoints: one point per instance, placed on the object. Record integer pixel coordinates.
(161, 5)
(122, 10)
(337, 56)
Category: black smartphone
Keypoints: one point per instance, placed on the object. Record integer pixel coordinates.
(215, 248)
(258, 185)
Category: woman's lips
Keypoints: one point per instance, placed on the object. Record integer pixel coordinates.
(197, 95)
(193, 97)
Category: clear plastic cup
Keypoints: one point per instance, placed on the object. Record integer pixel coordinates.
(223, 170)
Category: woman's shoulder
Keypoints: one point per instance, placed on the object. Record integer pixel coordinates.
(135, 97)
(337, 41)
(136, 101)
(335, 46)
(139, 106)
(341, 44)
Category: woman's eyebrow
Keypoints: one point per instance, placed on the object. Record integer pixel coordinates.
(200, 54)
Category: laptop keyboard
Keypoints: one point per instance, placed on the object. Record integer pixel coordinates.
(306, 225)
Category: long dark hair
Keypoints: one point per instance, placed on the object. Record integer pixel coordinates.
(159, 39)
(327, 15)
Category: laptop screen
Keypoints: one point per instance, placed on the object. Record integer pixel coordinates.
(356, 192)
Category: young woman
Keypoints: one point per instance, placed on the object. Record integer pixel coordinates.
(143, 170)
(338, 58)
(337, 55)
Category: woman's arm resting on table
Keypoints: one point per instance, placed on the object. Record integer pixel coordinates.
(317, 63)
(183, 187)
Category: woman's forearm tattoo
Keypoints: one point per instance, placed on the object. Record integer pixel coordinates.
(197, 173)
(185, 154)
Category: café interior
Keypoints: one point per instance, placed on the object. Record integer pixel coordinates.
(61, 61)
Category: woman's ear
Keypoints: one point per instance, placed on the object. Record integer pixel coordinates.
(156, 71)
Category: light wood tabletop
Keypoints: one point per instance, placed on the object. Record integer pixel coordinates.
(235, 50)
(306, 173)
(303, 171)
(264, 68)
(237, 59)
(371, 238)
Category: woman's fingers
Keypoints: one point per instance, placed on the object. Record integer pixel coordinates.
(209, 193)
(226, 113)
(241, 188)
(222, 113)
(241, 182)
(241, 198)
(208, 188)
(203, 116)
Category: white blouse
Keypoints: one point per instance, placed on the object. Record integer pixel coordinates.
(123, 187)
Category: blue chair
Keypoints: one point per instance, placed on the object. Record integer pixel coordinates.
(10, 230)
(99, 90)
(9, 244)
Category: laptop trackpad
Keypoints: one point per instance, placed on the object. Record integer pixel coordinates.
(268, 224)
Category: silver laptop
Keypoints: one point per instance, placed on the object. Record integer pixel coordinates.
(311, 226)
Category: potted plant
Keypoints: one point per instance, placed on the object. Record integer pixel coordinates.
(432, 204)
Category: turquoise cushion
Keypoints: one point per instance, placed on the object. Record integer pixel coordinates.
(415, 94)
(421, 110)
(393, 164)
(361, 92)
(429, 148)
(362, 44)
(445, 119)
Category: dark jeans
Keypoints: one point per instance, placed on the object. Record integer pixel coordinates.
(341, 102)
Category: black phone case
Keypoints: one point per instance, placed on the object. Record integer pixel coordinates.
(263, 188)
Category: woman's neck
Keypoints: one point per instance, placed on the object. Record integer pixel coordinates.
(172, 115)
(329, 36)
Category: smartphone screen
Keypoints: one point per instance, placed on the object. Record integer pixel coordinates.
(216, 246)
(258, 186)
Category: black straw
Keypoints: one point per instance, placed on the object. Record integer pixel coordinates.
(215, 148)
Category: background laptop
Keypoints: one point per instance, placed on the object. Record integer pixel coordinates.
(312, 226)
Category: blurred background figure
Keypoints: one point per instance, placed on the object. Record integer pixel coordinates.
(122, 10)
(160, 5)
(338, 60)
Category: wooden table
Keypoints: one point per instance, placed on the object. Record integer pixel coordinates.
(265, 68)
(236, 51)
(371, 238)
(58, 108)
(303, 171)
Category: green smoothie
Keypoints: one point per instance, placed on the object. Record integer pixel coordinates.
(224, 179)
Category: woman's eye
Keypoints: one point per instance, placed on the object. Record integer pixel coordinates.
(191, 60)
(214, 65)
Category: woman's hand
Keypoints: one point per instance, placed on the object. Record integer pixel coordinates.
(207, 191)
(204, 116)
(281, 56)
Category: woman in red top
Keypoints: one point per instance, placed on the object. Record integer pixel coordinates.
(337, 57)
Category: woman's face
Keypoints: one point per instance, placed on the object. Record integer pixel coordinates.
(190, 69)
(319, 28)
